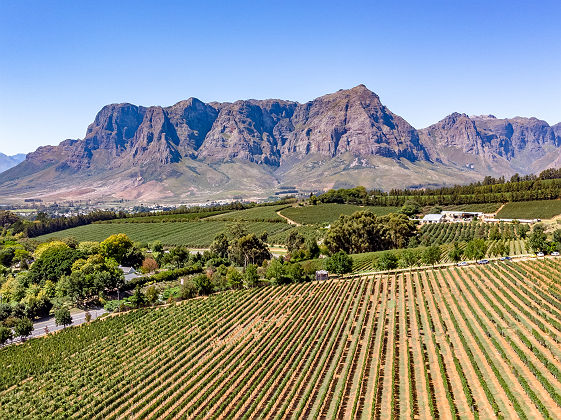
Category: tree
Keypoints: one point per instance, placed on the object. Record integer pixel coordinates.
(234, 278)
(557, 236)
(116, 247)
(363, 231)
(456, 252)
(475, 249)
(203, 284)
(409, 258)
(501, 248)
(23, 328)
(149, 265)
(410, 208)
(538, 239)
(5, 334)
(220, 245)
(251, 277)
(63, 317)
(431, 255)
(494, 233)
(87, 317)
(296, 273)
(387, 261)
(152, 295)
(248, 249)
(295, 241)
(137, 299)
(523, 231)
(339, 263)
(179, 256)
(277, 272)
(53, 263)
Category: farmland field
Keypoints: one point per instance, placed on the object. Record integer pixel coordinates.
(328, 213)
(538, 209)
(169, 218)
(479, 342)
(261, 213)
(194, 234)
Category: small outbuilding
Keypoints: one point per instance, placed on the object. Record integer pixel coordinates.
(322, 275)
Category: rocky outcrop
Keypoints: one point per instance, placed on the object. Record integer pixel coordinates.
(352, 121)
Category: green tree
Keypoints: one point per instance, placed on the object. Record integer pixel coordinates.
(523, 231)
(339, 263)
(475, 249)
(295, 241)
(456, 252)
(53, 263)
(387, 261)
(152, 295)
(248, 249)
(203, 284)
(234, 278)
(538, 239)
(410, 208)
(557, 236)
(220, 245)
(137, 299)
(296, 273)
(409, 258)
(494, 233)
(431, 255)
(116, 247)
(251, 277)
(63, 317)
(23, 328)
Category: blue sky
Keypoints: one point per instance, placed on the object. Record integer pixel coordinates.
(61, 61)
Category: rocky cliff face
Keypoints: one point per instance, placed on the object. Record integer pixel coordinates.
(352, 121)
(502, 145)
(351, 128)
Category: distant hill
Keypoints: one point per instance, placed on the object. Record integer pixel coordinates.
(252, 148)
(7, 162)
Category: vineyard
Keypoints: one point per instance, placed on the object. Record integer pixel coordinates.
(328, 213)
(442, 233)
(537, 209)
(479, 342)
(198, 234)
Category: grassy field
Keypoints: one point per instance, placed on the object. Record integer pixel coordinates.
(477, 342)
(328, 213)
(538, 209)
(193, 234)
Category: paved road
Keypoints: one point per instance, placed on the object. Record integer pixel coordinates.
(78, 318)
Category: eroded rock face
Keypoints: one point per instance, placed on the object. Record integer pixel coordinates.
(517, 140)
(274, 133)
(353, 121)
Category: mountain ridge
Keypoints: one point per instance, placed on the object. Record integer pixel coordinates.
(192, 148)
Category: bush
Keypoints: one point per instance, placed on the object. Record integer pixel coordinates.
(339, 263)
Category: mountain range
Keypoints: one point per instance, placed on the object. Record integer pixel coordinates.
(7, 162)
(194, 151)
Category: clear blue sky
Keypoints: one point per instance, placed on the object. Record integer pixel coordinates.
(61, 61)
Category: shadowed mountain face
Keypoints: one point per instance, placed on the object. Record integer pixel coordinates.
(251, 147)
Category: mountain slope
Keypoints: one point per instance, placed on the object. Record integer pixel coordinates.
(7, 162)
(192, 150)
